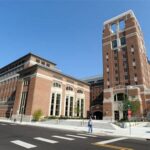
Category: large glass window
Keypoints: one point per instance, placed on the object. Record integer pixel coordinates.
(52, 104)
(66, 108)
(69, 106)
(55, 104)
(80, 107)
(23, 103)
(57, 111)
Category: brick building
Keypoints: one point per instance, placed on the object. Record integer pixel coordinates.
(96, 96)
(126, 69)
(31, 83)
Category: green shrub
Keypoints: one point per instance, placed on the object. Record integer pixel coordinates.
(37, 115)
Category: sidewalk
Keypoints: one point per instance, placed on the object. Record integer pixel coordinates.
(141, 131)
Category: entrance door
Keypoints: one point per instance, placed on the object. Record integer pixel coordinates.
(116, 115)
(98, 115)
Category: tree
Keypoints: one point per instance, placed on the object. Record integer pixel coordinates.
(133, 105)
(37, 115)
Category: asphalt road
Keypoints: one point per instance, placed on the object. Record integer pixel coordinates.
(21, 137)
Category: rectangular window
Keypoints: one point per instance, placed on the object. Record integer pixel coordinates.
(82, 107)
(71, 106)
(114, 44)
(123, 41)
(113, 28)
(126, 77)
(66, 108)
(48, 65)
(23, 103)
(43, 63)
(78, 107)
(37, 60)
(57, 105)
(52, 104)
(122, 25)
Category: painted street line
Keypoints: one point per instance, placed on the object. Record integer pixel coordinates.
(12, 124)
(61, 137)
(76, 136)
(88, 135)
(112, 140)
(23, 144)
(114, 147)
(3, 124)
(46, 140)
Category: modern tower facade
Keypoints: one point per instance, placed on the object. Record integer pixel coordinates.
(126, 69)
(31, 83)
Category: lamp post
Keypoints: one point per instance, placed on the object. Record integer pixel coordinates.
(129, 118)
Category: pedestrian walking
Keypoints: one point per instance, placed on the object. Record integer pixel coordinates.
(90, 126)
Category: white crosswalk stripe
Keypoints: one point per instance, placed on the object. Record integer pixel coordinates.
(76, 136)
(23, 144)
(62, 137)
(111, 141)
(45, 140)
(88, 135)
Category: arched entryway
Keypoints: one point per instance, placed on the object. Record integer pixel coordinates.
(119, 113)
(98, 115)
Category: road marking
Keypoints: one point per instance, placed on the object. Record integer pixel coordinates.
(89, 135)
(3, 124)
(111, 141)
(76, 136)
(46, 140)
(23, 144)
(113, 147)
(12, 124)
(61, 137)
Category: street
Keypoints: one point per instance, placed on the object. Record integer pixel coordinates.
(21, 137)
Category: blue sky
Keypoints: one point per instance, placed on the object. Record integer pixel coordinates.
(67, 32)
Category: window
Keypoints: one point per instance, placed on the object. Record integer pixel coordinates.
(23, 103)
(57, 110)
(82, 107)
(37, 60)
(123, 41)
(56, 85)
(69, 106)
(113, 28)
(26, 82)
(116, 78)
(68, 88)
(55, 104)
(122, 25)
(43, 63)
(114, 44)
(80, 91)
(52, 104)
(48, 65)
(66, 108)
(126, 77)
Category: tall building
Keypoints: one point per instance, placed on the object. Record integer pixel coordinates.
(96, 96)
(31, 83)
(126, 69)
